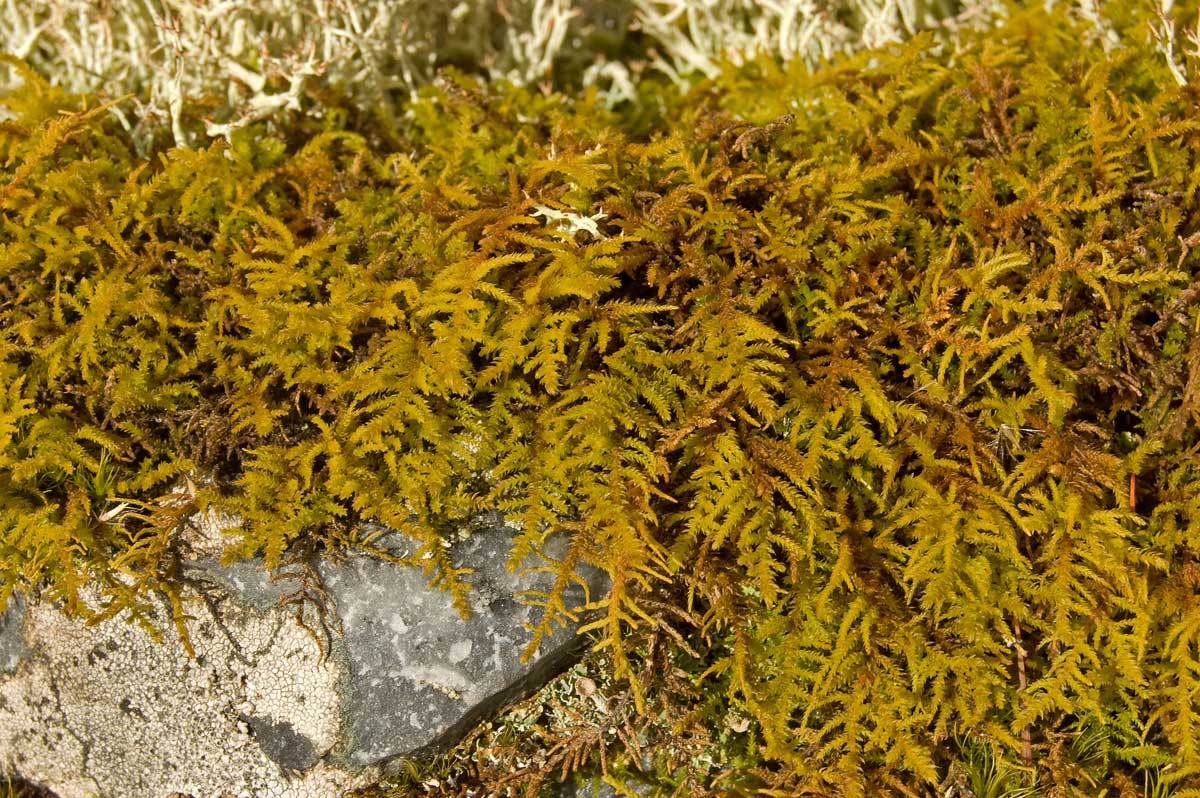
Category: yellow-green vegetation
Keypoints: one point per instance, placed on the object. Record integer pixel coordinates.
(875, 390)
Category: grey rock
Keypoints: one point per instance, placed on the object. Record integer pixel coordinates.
(12, 634)
(594, 787)
(419, 675)
(408, 648)
(248, 580)
(272, 705)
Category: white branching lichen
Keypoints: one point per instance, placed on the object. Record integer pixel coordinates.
(233, 62)
(570, 221)
(696, 36)
(245, 60)
(1166, 39)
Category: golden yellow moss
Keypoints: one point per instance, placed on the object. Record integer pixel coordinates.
(874, 390)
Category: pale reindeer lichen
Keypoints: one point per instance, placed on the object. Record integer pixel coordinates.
(240, 61)
(249, 59)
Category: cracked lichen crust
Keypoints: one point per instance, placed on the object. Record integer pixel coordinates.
(107, 711)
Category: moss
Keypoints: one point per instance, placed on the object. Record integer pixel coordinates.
(873, 389)
(18, 788)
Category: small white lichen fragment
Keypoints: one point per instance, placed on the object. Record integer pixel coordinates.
(570, 221)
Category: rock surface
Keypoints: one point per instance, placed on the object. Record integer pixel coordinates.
(270, 705)
(107, 711)
(12, 642)
(595, 787)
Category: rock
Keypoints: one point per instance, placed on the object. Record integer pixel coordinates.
(408, 647)
(107, 711)
(12, 642)
(595, 787)
(271, 705)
